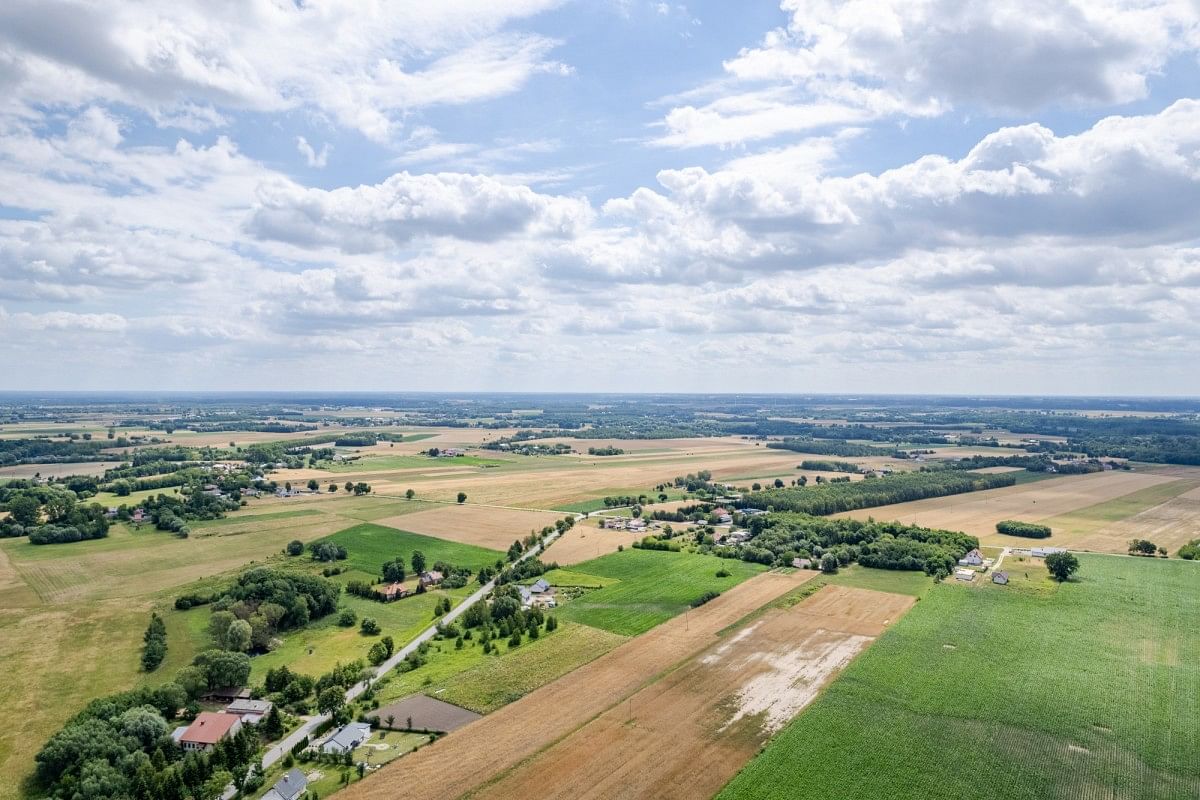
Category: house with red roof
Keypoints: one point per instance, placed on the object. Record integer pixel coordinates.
(209, 728)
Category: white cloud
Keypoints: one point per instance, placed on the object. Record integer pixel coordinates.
(311, 156)
(365, 64)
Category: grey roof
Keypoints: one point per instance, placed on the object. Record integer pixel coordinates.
(349, 736)
(540, 585)
(289, 786)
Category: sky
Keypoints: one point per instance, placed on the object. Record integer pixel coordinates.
(924, 196)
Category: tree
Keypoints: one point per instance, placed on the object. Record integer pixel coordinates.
(349, 487)
(313, 485)
(1062, 565)
(410, 494)
(24, 510)
(418, 562)
(295, 547)
(348, 618)
(829, 563)
(462, 497)
(778, 483)
(332, 488)
(362, 488)
(369, 626)
(238, 636)
(272, 727)
(331, 700)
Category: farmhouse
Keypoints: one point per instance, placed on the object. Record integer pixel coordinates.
(431, 578)
(346, 738)
(393, 591)
(139, 515)
(1000, 578)
(802, 563)
(289, 787)
(208, 729)
(971, 559)
(251, 711)
(964, 574)
(1042, 552)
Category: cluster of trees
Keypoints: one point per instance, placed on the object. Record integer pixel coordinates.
(1030, 530)
(173, 513)
(262, 602)
(777, 539)
(1145, 547)
(524, 570)
(1190, 551)
(832, 498)
(50, 515)
(46, 451)
(327, 551)
(120, 747)
(700, 481)
(829, 466)
(655, 543)
(617, 501)
(154, 643)
(605, 451)
(503, 618)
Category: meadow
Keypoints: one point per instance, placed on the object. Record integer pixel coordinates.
(652, 586)
(370, 545)
(1032, 691)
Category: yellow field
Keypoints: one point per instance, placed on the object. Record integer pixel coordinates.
(494, 528)
(977, 513)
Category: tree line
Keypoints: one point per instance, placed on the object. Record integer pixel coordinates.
(831, 498)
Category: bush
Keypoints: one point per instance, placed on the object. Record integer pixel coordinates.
(369, 626)
(704, 598)
(1029, 530)
(347, 618)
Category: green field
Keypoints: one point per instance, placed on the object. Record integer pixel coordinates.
(370, 545)
(382, 463)
(651, 587)
(880, 580)
(483, 683)
(1033, 691)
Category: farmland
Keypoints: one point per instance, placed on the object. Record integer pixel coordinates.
(1045, 715)
(370, 545)
(650, 587)
(494, 528)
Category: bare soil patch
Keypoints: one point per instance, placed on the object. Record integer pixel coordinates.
(585, 542)
(472, 756)
(685, 735)
(495, 528)
(420, 713)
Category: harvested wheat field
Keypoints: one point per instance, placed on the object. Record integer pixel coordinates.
(1170, 524)
(584, 542)
(687, 734)
(495, 528)
(977, 513)
(469, 758)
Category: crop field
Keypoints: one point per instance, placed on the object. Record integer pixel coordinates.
(720, 707)
(1038, 691)
(587, 541)
(1167, 514)
(977, 513)
(385, 463)
(484, 683)
(471, 756)
(57, 469)
(651, 587)
(494, 528)
(370, 545)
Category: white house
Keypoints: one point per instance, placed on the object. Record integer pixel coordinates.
(971, 559)
(964, 574)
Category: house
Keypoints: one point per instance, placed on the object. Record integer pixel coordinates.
(139, 515)
(290, 787)
(972, 559)
(540, 586)
(346, 738)
(251, 711)
(738, 536)
(725, 519)
(614, 523)
(752, 512)
(393, 591)
(964, 574)
(1000, 578)
(802, 563)
(209, 728)
(1042, 552)
(178, 733)
(250, 492)
(636, 525)
(526, 596)
(431, 578)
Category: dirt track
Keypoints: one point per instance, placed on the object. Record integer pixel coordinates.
(474, 755)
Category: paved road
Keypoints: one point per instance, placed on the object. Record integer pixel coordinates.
(312, 723)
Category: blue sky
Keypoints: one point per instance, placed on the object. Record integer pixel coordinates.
(871, 195)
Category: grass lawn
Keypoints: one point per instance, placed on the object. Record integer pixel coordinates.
(243, 518)
(652, 586)
(1025, 692)
(484, 683)
(880, 580)
(371, 545)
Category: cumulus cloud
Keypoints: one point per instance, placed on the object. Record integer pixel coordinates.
(839, 63)
(365, 64)
(311, 156)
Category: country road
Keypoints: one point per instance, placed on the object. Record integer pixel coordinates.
(310, 725)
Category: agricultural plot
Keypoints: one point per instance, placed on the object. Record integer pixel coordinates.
(370, 545)
(494, 528)
(1026, 692)
(650, 588)
(468, 758)
(719, 707)
(484, 683)
(419, 712)
(587, 541)
(977, 513)
(1167, 514)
